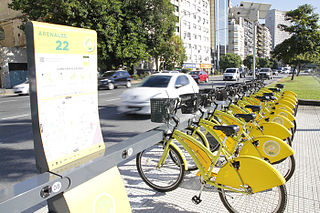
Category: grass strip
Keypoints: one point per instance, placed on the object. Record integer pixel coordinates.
(306, 87)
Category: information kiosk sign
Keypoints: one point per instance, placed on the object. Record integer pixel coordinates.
(63, 92)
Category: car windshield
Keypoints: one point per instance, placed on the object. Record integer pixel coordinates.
(107, 74)
(157, 81)
(264, 70)
(230, 70)
(194, 73)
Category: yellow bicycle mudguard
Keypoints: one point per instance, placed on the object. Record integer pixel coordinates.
(284, 113)
(271, 128)
(289, 93)
(284, 107)
(287, 103)
(289, 100)
(273, 148)
(254, 172)
(280, 120)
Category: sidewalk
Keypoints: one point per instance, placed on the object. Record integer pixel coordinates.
(303, 188)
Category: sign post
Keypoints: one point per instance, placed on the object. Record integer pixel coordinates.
(62, 64)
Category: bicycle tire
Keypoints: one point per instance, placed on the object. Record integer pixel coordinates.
(166, 178)
(257, 202)
(286, 167)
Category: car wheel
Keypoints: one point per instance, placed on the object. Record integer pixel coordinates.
(128, 84)
(110, 86)
(207, 80)
(198, 81)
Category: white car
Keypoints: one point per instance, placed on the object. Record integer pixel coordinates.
(163, 85)
(22, 89)
(232, 74)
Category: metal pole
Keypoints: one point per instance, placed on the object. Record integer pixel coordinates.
(218, 39)
(254, 49)
(226, 7)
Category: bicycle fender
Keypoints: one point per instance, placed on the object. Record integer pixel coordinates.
(271, 128)
(284, 113)
(252, 171)
(174, 146)
(284, 107)
(289, 93)
(287, 103)
(280, 120)
(273, 148)
(292, 100)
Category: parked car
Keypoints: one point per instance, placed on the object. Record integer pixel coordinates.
(113, 79)
(22, 89)
(199, 76)
(275, 72)
(163, 85)
(265, 73)
(232, 74)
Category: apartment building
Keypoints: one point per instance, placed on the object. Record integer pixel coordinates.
(236, 37)
(194, 29)
(13, 60)
(273, 19)
(264, 41)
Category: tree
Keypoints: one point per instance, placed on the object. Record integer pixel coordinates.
(230, 60)
(128, 31)
(248, 61)
(171, 53)
(264, 62)
(304, 44)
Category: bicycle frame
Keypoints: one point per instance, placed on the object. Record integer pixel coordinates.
(236, 174)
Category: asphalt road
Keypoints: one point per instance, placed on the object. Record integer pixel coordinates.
(16, 140)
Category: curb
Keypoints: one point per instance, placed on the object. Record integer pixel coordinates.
(308, 102)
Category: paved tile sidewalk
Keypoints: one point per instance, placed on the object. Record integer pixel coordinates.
(303, 189)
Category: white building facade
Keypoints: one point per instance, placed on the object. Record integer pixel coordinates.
(194, 29)
(273, 19)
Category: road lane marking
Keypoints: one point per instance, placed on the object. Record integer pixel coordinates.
(114, 99)
(16, 116)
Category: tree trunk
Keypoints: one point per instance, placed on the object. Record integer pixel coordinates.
(292, 76)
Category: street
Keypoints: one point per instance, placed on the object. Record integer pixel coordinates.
(16, 138)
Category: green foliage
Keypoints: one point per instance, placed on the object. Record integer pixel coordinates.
(171, 52)
(304, 44)
(128, 31)
(248, 61)
(264, 63)
(230, 60)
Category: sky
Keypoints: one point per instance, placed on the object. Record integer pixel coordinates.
(284, 5)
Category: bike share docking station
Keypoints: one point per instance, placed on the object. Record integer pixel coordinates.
(77, 173)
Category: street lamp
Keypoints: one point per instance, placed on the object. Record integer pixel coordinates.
(252, 12)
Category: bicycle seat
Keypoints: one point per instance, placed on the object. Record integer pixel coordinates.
(263, 98)
(280, 86)
(274, 89)
(227, 130)
(268, 94)
(254, 108)
(246, 117)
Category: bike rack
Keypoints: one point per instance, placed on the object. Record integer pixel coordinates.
(37, 189)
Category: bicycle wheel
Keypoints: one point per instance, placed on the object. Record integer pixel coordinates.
(168, 176)
(190, 162)
(286, 167)
(272, 200)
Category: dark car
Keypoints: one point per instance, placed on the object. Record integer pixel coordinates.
(113, 79)
(199, 76)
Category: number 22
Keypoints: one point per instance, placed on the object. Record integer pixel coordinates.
(59, 47)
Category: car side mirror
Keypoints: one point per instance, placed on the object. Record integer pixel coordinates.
(178, 86)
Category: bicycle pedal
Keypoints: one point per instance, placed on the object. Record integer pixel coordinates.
(196, 199)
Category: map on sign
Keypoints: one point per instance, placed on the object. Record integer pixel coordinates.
(63, 93)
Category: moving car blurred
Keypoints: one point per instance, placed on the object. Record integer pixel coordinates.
(113, 79)
(265, 73)
(163, 85)
(199, 76)
(22, 89)
(232, 74)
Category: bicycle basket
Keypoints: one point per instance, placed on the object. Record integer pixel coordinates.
(189, 103)
(206, 97)
(221, 94)
(161, 108)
